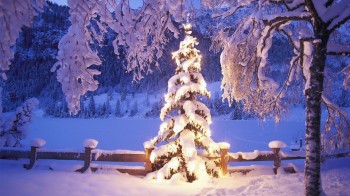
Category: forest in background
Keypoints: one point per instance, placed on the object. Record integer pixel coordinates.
(36, 49)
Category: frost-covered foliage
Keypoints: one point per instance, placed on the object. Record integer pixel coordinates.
(15, 128)
(310, 27)
(185, 127)
(141, 32)
(35, 53)
(14, 15)
(246, 48)
(75, 55)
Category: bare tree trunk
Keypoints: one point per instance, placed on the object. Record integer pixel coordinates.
(313, 113)
(312, 177)
(312, 137)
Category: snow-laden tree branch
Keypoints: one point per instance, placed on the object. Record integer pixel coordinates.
(307, 25)
(337, 128)
(142, 34)
(14, 15)
(75, 55)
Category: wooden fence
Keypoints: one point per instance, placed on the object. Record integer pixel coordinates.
(90, 155)
(87, 156)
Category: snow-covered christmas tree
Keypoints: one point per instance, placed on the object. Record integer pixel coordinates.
(184, 136)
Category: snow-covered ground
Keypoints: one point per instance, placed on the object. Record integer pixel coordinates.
(130, 133)
(63, 181)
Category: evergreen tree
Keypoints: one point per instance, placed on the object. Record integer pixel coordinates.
(50, 109)
(237, 112)
(123, 93)
(118, 112)
(91, 111)
(102, 110)
(127, 106)
(155, 109)
(185, 127)
(63, 109)
(146, 102)
(110, 93)
(82, 111)
(134, 110)
(108, 107)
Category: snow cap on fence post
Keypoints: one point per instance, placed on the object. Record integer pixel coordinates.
(34, 144)
(224, 145)
(90, 143)
(276, 146)
(37, 142)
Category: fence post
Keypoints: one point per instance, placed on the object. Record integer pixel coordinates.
(34, 145)
(87, 160)
(89, 144)
(276, 147)
(148, 164)
(224, 157)
(277, 159)
(32, 158)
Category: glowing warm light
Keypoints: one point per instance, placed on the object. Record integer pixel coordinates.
(191, 166)
(172, 148)
(189, 152)
(160, 176)
(174, 163)
(208, 133)
(153, 156)
(183, 89)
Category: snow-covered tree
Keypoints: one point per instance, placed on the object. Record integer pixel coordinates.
(185, 127)
(91, 109)
(16, 127)
(310, 27)
(141, 32)
(13, 16)
(118, 111)
(108, 107)
(146, 101)
(134, 109)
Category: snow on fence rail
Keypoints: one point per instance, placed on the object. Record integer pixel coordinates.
(90, 154)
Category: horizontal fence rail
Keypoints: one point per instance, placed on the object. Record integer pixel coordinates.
(87, 156)
(90, 155)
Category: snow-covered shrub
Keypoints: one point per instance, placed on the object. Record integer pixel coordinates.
(16, 127)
